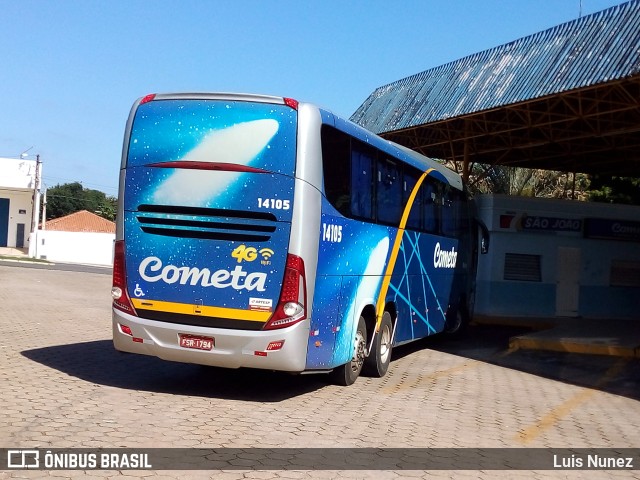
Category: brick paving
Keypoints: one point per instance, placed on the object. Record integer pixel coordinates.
(63, 385)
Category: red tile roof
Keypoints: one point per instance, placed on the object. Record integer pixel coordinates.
(82, 221)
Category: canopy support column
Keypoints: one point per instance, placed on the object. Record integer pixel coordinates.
(465, 155)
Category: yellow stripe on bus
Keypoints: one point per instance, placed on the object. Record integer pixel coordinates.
(386, 280)
(192, 309)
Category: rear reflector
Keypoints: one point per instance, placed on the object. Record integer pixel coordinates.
(277, 345)
(126, 330)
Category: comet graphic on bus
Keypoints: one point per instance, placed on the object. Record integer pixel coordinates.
(238, 144)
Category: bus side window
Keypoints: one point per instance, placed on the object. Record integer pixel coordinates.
(430, 201)
(336, 160)
(414, 220)
(389, 192)
(451, 218)
(362, 162)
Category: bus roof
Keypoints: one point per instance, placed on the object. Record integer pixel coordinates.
(246, 97)
(401, 152)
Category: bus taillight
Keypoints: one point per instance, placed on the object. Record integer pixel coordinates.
(291, 307)
(119, 293)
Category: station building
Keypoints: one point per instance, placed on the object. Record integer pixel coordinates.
(558, 258)
(19, 185)
(565, 99)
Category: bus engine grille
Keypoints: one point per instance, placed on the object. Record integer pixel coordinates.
(206, 223)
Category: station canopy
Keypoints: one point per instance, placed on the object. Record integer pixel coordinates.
(565, 99)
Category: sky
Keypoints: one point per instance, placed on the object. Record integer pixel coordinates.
(71, 69)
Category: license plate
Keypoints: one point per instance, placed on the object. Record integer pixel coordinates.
(195, 342)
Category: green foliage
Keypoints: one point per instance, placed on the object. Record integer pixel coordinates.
(611, 189)
(501, 179)
(71, 197)
(550, 184)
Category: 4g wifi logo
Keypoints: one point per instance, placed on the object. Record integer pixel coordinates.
(249, 254)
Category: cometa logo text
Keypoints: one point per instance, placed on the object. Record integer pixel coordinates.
(152, 270)
(444, 258)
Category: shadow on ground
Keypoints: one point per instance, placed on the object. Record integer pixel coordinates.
(98, 362)
(490, 344)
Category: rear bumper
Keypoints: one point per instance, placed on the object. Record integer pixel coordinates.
(233, 348)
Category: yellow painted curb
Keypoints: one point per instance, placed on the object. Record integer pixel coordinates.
(572, 347)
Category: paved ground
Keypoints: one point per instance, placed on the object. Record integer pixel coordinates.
(63, 385)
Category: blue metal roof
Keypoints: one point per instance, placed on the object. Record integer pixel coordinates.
(594, 49)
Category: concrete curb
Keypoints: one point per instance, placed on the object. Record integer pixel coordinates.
(530, 342)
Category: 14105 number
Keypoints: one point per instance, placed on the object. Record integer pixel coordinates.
(331, 233)
(274, 203)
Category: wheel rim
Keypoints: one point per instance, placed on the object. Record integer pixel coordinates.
(359, 353)
(457, 322)
(385, 343)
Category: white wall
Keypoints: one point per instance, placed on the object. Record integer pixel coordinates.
(75, 247)
(17, 173)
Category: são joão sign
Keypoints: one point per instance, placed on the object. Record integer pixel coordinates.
(551, 224)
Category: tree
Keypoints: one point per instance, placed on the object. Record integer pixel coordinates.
(612, 189)
(550, 184)
(71, 197)
(525, 181)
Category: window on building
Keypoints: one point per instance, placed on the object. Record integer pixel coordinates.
(522, 267)
(625, 273)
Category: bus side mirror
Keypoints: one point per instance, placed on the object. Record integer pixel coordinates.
(484, 238)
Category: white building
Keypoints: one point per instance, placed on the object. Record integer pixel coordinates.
(81, 237)
(559, 258)
(19, 184)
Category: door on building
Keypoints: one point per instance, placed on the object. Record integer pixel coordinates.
(20, 235)
(568, 282)
(4, 221)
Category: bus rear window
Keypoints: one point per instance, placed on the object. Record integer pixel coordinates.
(218, 131)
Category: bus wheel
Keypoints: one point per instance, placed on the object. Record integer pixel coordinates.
(456, 322)
(377, 363)
(348, 373)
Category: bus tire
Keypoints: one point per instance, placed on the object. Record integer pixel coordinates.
(456, 322)
(377, 363)
(348, 373)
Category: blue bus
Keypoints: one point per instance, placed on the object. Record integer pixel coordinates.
(263, 232)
